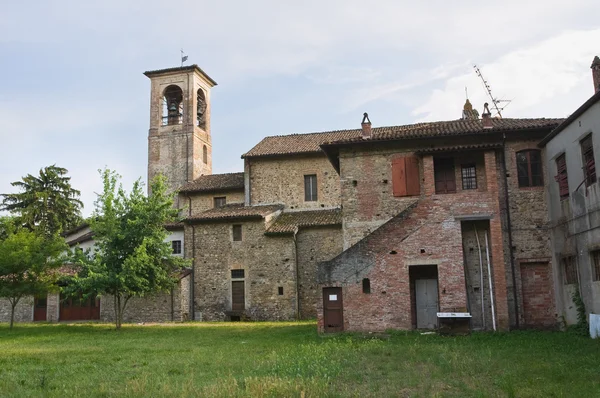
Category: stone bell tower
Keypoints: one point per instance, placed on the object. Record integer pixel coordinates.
(179, 142)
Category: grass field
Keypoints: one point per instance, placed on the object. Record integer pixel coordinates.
(289, 359)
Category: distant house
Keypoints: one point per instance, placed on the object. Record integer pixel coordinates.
(573, 195)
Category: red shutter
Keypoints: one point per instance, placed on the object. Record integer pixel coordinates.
(413, 183)
(562, 177)
(399, 177)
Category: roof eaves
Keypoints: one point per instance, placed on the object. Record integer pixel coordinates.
(578, 112)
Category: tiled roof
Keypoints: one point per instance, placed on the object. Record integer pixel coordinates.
(288, 222)
(234, 211)
(297, 143)
(310, 143)
(215, 182)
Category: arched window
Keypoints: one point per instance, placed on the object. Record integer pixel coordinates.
(529, 168)
(201, 110)
(172, 112)
(205, 154)
(366, 285)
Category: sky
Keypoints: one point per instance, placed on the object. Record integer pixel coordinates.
(73, 93)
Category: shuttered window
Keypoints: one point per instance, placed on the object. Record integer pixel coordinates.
(445, 178)
(529, 168)
(595, 260)
(405, 176)
(562, 177)
(589, 165)
(310, 188)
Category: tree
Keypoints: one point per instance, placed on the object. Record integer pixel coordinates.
(27, 262)
(46, 203)
(131, 257)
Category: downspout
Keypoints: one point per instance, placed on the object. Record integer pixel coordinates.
(509, 227)
(192, 275)
(297, 274)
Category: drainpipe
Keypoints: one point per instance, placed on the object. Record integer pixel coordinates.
(192, 275)
(297, 274)
(509, 227)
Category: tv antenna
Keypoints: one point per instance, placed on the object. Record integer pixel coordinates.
(496, 102)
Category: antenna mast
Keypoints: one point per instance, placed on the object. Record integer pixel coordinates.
(495, 101)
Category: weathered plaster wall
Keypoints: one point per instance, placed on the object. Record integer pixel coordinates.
(282, 181)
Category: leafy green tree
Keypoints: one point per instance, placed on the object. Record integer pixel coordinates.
(46, 203)
(131, 258)
(27, 263)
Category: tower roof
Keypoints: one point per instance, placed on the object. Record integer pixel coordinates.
(178, 69)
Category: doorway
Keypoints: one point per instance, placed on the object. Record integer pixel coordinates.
(333, 310)
(238, 297)
(424, 296)
(40, 307)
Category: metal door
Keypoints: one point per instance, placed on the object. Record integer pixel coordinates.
(333, 310)
(426, 294)
(237, 296)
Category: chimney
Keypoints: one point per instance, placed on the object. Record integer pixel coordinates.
(596, 73)
(366, 126)
(486, 117)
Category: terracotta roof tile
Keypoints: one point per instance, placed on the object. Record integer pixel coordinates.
(215, 182)
(288, 222)
(234, 211)
(310, 143)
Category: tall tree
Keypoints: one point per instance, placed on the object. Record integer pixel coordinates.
(46, 203)
(27, 262)
(131, 257)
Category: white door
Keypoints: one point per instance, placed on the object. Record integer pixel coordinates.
(426, 294)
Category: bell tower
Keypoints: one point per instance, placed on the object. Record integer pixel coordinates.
(179, 142)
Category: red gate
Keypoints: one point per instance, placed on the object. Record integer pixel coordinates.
(78, 309)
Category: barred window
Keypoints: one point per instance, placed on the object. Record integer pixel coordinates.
(176, 245)
(469, 176)
(595, 260)
(237, 274)
(570, 270)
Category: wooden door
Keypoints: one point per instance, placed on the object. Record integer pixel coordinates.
(238, 299)
(333, 309)
(78, 309)
(426, 295)
(445, 178)
(40, 308)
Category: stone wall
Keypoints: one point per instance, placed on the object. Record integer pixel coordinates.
(282, 181)
(23, 310)
(204, 201)
(163, 307)
(314, 246)
(268, 264)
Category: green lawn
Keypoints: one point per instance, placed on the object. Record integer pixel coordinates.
(289, 359)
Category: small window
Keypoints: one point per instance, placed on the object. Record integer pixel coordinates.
(310, 188)
(570, 270)
(469, 176)
(204, 154)
(595, 260)
(445, 180)
(366, 286)
(589, 165)
(220, 201)
(237, 233)
(40, 302)
(529, 168)
(561, 177)
(280, 290)
(201, 109)
(237, 274)
(176, 245)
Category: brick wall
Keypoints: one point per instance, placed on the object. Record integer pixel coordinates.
(282, 181)
(538, 298)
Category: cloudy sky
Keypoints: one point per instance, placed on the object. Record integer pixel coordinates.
(72, 92)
